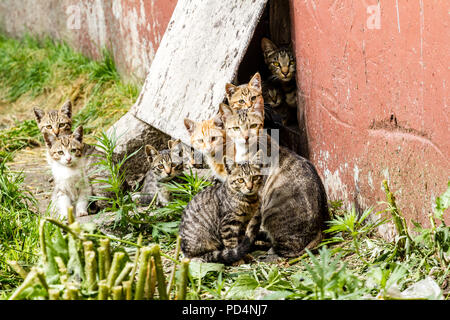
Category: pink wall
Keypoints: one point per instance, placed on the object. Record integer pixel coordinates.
(376, 94)
(131, 29)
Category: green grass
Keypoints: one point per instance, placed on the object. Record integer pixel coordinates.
(18, 226)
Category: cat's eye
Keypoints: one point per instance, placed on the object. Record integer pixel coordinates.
(253, 126)
(49, 127)
(256, 178)
(241, 101)
(253, 98)
(276, 64)
(62, 125)
(73, 150)
(200, 141)
(61, 153)
(291, 62)
(161, 166)
(236, 128)
(241, 180)
(213, 139)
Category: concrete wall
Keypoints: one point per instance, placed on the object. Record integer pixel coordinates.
(375, 77)
(131, 29)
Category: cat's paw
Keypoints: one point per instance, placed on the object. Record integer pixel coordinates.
(81, 214)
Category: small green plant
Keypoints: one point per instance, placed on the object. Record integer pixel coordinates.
(80, 264)
(113, 181)
(327, 278)
(18, 224)
(353, 226)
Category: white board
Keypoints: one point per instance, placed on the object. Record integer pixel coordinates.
(200, 52)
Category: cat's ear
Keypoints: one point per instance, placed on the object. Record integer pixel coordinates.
(230, 89)
(39, 113)
(267, 46)
(257, 158)
(49, 139)
(78, 134)
(225, 111)
(173, 143)
(66, 109)
(218, 121)
(228, 163)
(258, 106)
(190, 125)
(255, 82)
(150, 151)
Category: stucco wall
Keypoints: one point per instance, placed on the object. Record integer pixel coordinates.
(131, 29)
(375, 78)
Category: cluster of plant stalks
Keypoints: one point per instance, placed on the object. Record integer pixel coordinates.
(82, 265)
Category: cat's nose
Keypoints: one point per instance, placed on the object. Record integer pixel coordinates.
(168, 170)
(69, 160)
(55, 131)
(285, 71)
(249, 185)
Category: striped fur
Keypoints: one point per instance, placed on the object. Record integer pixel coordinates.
(221, 222)
(244, 95)
(56, 122)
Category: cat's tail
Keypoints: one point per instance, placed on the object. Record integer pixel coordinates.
(231, 255)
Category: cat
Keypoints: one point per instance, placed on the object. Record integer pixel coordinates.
(241, 125)
(221, 222)
(277, 112)
(244, 95)
(281, 63)
(293, 200)
(165, 165)
(67, 162)
(208, 137)
(55, 122)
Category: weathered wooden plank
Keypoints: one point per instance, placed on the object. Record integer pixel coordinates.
(200, 52)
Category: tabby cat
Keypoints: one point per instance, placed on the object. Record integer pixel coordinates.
(293, 199)
(241, 125)
(208, 137)
(67, 161)
(55, 122)
(276, 109)
(164, 166)
(221, 222)
(244, 95)
(281, 63)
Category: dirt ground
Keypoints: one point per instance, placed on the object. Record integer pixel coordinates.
(37, 174)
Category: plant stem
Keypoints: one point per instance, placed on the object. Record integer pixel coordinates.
(174, 269)
(142, 273)
(159, 272)
(115, 268)
(17, 268)
(182, 283)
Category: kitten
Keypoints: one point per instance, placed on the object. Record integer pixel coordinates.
(244, 95)
(293, 199)
(208, 137)
(221, 222)
(242, 125)
(276, 110)
(164, 166)
(66, 156)
(55, 122)
(281, 63)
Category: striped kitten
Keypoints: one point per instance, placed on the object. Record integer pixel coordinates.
(242, 125)
(55, 122)
(208, 137)
(244, 95)
(221, 222)
(281, 63)
(276, 110)
(66, 156)
(293, 199)
(164, 166)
